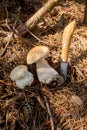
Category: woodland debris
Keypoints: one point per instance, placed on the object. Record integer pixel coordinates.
(31, 23)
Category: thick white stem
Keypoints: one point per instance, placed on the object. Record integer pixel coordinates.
(42, 63)
(46, 74)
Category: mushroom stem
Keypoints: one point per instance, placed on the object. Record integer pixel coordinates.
(46, 74)
(42, 63)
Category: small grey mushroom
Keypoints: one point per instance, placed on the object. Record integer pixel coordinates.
(21, 76)
(46, 74)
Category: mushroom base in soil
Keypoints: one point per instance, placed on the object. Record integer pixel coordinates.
(21, 76)
(48, 75)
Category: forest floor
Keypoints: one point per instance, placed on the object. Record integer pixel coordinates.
(41, 107)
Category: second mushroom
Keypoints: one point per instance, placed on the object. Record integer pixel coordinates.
(21, 76)
(46, 74)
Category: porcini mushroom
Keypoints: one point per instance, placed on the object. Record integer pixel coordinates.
(46, 74)
(21, 76)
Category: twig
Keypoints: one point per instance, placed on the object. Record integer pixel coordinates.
(36, 37)
(10, 36)
(7, 19)
(31, 23)
(40, 101)
(17, 35)
(27, 40)
(4, 32)
(6, 83)
(33, 35)
(49, 112)
(9, 39)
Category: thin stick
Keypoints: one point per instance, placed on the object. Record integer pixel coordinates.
(7, 19)
(49, 112)
(31, 23)
(10, 36)
(40, 101)
(9, 39)
(32, 34)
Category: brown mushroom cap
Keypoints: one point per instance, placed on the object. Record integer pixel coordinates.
(37, 53)
(18, 72)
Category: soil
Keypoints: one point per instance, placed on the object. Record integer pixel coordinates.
(42, 107)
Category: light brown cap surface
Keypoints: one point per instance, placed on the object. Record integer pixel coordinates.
(37, 53)
(18, 72)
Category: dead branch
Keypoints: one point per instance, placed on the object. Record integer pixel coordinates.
(30, 23)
